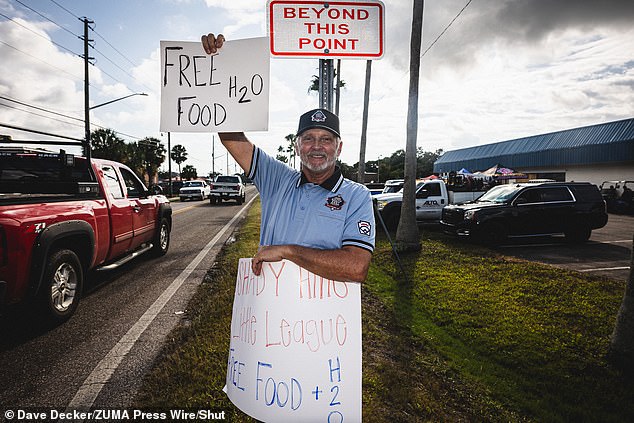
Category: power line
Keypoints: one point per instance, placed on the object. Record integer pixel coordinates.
(446, 28)
(37, 33)
(75, 77)
(48, 19)
(66, 10)
(39, 114)
(40, 108)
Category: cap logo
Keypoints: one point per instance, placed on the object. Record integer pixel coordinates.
(318, 116)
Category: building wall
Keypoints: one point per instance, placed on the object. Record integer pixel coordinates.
(596, 173)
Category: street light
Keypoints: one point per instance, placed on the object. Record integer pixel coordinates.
(88, 109)
(116, 99)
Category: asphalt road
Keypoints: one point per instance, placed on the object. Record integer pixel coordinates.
(99, 357)
(607, 253)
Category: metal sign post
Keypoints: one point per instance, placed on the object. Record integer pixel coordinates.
(326, 80)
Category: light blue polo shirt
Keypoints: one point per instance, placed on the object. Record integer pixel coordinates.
(294, 211)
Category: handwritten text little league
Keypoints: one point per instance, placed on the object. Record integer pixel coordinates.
(295, 352)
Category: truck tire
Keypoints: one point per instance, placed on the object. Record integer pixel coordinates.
(491, 234)
(61, 287)
(578, 234)
(161, 241)
(240, 200)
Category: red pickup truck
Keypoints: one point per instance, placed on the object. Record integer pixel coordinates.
(61, 217)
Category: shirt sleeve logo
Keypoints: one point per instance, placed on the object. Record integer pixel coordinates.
(335, 203)
(365, 228)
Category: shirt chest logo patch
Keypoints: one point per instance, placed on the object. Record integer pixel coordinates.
(335, 203)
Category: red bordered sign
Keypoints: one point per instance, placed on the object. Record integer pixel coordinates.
(336, 30)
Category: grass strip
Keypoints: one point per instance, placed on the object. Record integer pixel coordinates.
(474, 336)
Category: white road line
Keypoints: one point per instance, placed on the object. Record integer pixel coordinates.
(90, 389)
(600, 269)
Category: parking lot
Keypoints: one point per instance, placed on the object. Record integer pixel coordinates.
(608, 253)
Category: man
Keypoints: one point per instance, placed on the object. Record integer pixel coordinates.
(314, 218)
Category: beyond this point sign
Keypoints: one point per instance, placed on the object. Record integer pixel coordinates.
(333, 30)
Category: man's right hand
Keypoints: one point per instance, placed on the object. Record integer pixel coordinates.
(212, 43)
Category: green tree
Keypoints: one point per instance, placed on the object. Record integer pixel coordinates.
(425, 161)
(106, 144)
(189, 172)
(291, 138)
(152, 154)
(179, 155)
(407, 238)
(280, 155)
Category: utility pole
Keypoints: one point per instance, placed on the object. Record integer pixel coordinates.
(87, 58)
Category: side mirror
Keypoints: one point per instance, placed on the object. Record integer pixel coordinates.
(521, 201)
(423, 193)
(156, 190)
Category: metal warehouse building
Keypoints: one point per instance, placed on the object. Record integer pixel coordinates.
(591, 153)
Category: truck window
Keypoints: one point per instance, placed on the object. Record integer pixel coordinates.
(134, 187)
(112, 180)
(555, 194)
(433, 189)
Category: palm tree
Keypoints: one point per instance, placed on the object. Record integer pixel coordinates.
(407, 238)
(179, 155)
(291, 148)
(190, 172)
(364, 123)
(106, 144)
(153, 155)
(621, 350)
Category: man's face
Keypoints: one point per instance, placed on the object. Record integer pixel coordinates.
(318, 149)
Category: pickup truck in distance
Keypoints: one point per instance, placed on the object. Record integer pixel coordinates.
(61, 217)
(227, 187)
(431, 196)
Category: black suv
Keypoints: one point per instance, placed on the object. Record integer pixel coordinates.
(516, 210)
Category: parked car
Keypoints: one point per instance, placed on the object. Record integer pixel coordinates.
(62, 216)
(227, 187)
(194, 189)
(375, 187)
(393, 185)
(518, 210)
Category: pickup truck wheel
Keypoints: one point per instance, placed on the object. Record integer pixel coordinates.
(61, 287)
(212, 200)
(240, 200)
(161, 240)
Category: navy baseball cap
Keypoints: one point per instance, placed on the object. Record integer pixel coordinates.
(319, 118)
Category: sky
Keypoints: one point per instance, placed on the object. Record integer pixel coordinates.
(500, 70)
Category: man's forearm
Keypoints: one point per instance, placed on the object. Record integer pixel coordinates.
(344, 264)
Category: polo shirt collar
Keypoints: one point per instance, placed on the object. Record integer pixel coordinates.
(331, 184)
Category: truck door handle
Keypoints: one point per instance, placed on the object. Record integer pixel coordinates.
(136, 208)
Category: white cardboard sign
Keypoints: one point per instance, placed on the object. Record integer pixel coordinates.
(327, 29)
(295, 351)
(224, 92)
